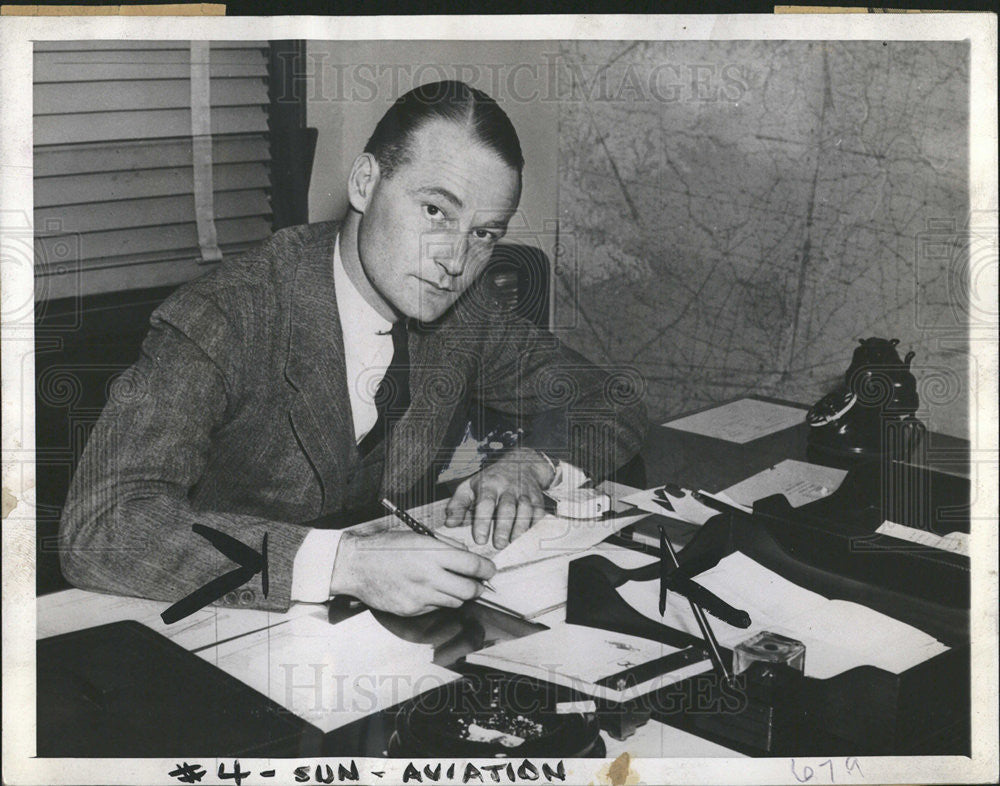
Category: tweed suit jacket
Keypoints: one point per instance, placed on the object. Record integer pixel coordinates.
(237, 417)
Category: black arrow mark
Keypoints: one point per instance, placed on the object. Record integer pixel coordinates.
(250, 564)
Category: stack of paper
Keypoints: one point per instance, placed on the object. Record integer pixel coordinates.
(592, 661)
(839, 635)
(331, 675)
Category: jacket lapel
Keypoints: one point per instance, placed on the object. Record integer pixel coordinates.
(321, 409)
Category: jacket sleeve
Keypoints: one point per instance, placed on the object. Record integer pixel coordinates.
(570, 408)
(127, 524)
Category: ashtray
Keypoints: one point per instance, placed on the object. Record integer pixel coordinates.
(491, 718)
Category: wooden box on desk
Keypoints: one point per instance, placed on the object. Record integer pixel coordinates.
(863, 711)
(924, 710)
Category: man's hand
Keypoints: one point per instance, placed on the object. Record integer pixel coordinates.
(406, 573)
(507, 494)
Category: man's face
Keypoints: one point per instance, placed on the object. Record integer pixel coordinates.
(428, 230)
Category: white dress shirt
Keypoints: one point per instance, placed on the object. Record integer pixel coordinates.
(367, 354)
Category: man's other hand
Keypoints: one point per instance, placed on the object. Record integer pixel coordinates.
(506, 495)
(406, 573)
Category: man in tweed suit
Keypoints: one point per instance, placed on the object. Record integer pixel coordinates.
(249, 408)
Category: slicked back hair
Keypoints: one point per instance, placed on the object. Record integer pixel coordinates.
(454, 101)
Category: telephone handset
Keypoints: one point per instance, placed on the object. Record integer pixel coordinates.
(872, 412)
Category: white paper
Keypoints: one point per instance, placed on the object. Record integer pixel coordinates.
(331, 675)
(553, 536)
(955, 542)
(548, 537)
(839, 635)
(740, 421)
(579, 652)
(540, 587)
(800, 482)
(685, 508)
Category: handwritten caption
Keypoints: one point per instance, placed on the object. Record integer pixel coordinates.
(508, 772)
(827, 771)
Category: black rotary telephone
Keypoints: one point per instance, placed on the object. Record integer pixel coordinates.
(872, 413)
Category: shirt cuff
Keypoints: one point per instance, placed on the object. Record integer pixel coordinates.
(312, 569)
(566, 476)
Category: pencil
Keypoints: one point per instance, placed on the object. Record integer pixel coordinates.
(420, 529)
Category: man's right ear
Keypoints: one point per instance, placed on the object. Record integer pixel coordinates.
(362, 181)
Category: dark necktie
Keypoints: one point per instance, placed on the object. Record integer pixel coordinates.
(392, 398)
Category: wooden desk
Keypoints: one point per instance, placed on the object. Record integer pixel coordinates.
(72, 610)
(691, 460)
(454, 633)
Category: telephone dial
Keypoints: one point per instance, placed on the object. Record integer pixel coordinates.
(872, 412)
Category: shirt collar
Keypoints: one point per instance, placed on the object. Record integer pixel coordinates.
(357, 316)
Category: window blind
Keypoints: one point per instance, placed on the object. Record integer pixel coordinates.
(114, 159)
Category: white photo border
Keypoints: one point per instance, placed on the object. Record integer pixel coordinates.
(16, 48)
